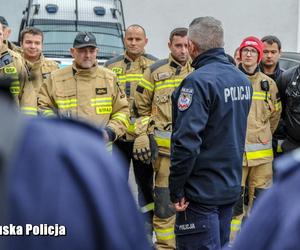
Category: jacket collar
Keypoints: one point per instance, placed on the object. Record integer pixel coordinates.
(276, 73)
(245, 72)
(209, 56)
(84, 72)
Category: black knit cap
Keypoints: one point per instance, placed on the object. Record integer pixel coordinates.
(85, 39)
(3, 21)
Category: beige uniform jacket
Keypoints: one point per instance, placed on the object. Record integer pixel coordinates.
(129, 73)
(92, 95)
(263, 119)
(40, 70)
(13, 47)
(12, 65)
(153, 98)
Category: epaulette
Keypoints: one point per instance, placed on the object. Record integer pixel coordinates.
(150, 57)
(158, 64)
(114, 60)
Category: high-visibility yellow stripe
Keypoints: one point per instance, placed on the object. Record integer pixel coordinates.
(164, 234)
(163, 142)
(66, 104)
(48, 113)
(259, 154)
(130, 77)
(168, 84)
(101, 101)
(32, 111)
(261, 93)
(146, 84)
(258, 98)
(147, 208)
(235, 225)
(122, 117)
(131, 128)
(145, 120)
(278, 106)
(29, 108)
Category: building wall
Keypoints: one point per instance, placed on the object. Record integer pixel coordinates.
(240, 18)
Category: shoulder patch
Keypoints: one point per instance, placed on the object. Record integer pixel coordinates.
(185, 99)
(114, 60)
(158, 64)
(118, 70)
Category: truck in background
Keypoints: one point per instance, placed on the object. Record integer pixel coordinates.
(61, 20)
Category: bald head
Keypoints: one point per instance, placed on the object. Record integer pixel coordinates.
(135, 41)
(135, 27)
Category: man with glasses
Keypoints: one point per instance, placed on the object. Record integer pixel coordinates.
(263, 119)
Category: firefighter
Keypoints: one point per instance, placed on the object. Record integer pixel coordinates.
(263, 119)
(86, 91)
(6, 34)
(129, 69)
(12, 65)
(38, 65)
(153, 102)
(75, 187)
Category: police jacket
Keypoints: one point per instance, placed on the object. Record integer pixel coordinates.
(75, 185)
(153, 98)
(12, 65)
(210, 110)
(263, 119)
(92, 95)
(275, 219)
(289, 89)
(129, 73)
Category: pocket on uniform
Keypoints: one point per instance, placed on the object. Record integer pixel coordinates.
(188, 222)
(266, 114)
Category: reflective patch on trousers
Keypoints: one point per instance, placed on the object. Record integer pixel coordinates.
(163, 206)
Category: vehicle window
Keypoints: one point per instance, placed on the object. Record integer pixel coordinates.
(286, 63)
(58, 39)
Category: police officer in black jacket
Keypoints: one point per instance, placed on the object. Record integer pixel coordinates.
(289, 89)
(210, 110)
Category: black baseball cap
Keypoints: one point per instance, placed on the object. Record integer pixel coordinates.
(85, 39)
(3, 21)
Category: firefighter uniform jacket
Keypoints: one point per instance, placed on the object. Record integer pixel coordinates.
(12, 65)
(153, 99)
(40, 70)
(13, 47)
(91, 94)
(263, 119)
(129, 73)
